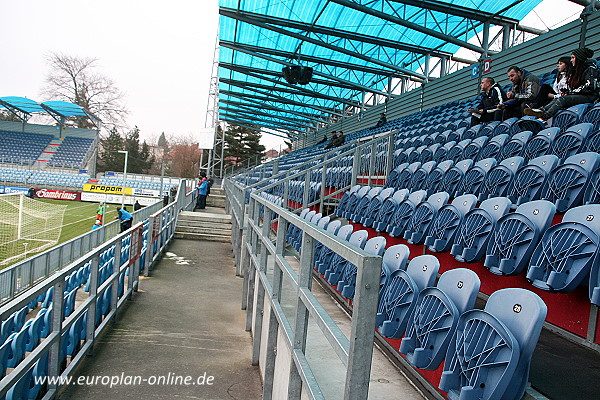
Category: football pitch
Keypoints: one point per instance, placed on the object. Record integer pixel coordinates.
(80, 217)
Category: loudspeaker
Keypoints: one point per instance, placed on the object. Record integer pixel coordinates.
(297, 74)
(289, 75)
(304, 75)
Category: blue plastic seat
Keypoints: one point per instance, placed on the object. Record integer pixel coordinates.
(388, 208)
(515, 146)
(456, 152)
(428, 153)
(488, 128)
(435, 317)
(347, 282)
(343, 204)
(498, 179)
(456, 134)
(403, 212)
(592, 142)
(442, 152)
(570, 141)
(568, 182)
(435, 177)
(354, 200)
(490, 354)
(368, 217)
(417, 226)
(332, 228)
(419, 177)
(565, 119)
(362, 206)
(474, 177)
(592, 193)
(397, 298)
(493, 147)
(539, 145)
(326, 254)
(452, 179)
(530, 180)
(527, 124)
(565, 254)
(443, 229)
(593, 116)
(472, 132)
(292, 229)
(333, 272)
(472, 150)
(394, 258)
(516, 235)
(475, 231)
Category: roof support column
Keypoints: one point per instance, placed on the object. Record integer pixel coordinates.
(403, 85)
(486, 39)
(426, 67)
(389, 89)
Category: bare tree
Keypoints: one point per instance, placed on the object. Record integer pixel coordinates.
(76, 80)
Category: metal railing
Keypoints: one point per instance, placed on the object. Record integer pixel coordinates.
(158, 225)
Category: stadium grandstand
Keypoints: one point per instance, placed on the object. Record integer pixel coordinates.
(469, 255)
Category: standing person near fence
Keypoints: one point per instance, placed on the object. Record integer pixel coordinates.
(125, 217)
(202, 193)
(100, 212)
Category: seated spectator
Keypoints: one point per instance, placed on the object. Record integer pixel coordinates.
(332, 141)
(548, 93)
(323, 140)
(97, 225)
(382, 120)
(491, 97)
(340, 140)
(524, 90)
(582, 85)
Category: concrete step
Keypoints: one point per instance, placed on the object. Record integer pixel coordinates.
(215, 200)
(205, 224)
(199, 217)
(202, 236)
(219, 231)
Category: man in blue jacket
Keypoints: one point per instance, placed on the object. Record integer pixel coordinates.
(202, 193)
(125, 217)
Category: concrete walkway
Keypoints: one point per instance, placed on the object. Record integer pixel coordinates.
(185, 321)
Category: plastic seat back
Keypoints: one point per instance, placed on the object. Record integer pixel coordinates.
(593, 116)
(516, 235)
(397, 298)
(472, 150)
(418, 224)
(435, 317)
(527, 124)
(435, 177)
(592, 193)
(593, 141)
(570, 116)
(530, 180)
(441, 154)
(333, 273)
(388, 208)
(456, 152)
(474, 177)
(498, 179)
(568, 182)
(515, 146)
(490, 354)
(363, 205)
(326, 253)
(455, 175)
(570, 141)
(504, 127)
(394, 258)
(539, 145)
(444, 227)
(368, 217)
(565, 254)
(493, 147)
(347, 283)
(404, 211)
(475, 231)
(420, 176)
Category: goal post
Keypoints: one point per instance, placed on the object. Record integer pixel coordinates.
(27, 226)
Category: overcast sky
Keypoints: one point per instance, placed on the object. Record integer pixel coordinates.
(159, 53)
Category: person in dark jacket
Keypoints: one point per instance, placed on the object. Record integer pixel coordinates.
(323, 140)
(125, 217)
(524, 90)
(491, 97)
(137, 206)
(382, 120)
(582, 85)
(332, 141)
(202, 193)
(339, 140)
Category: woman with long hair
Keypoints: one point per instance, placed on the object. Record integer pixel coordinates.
(581, 85)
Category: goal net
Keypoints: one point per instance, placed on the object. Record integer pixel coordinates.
(27, 226)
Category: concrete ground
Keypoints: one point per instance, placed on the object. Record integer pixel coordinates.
(185, 321)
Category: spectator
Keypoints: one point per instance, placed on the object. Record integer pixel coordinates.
(323, 140)
(340, 140)
(137, 206)
(31, 193)
(491, 97)
(382, 120)
(202, 190)
(524, 90)
(332, 141)
(97, 225)
(582, 85)
(125, 217)
(548, 93)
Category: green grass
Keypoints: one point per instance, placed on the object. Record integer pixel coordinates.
(80, 217)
